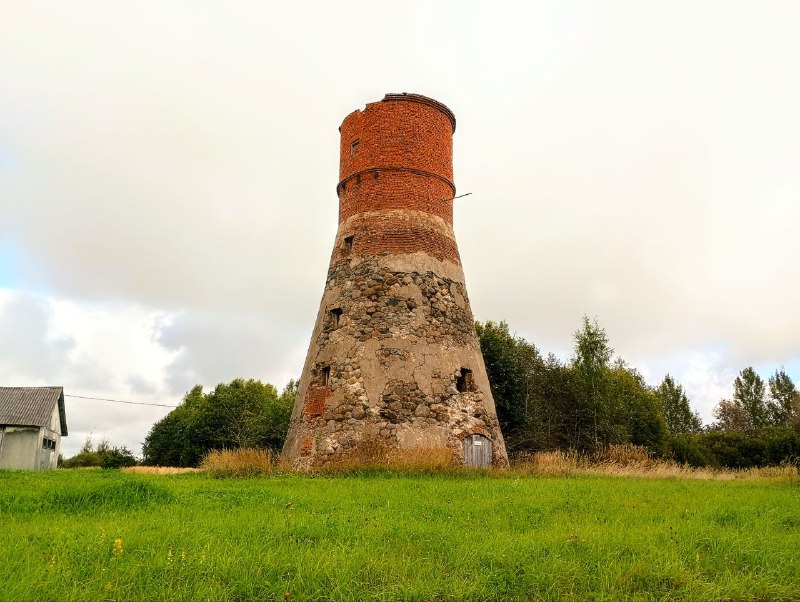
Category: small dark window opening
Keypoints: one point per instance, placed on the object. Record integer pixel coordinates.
(48, 443)
(348, 244)
(325, 375)
(464, 381)
(354, 147)
(335, 313)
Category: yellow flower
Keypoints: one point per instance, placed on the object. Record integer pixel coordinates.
(117, 546)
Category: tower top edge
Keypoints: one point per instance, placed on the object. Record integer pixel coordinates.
(419, 98)
(425, 100)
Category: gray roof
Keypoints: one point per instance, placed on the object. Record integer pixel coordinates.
(31, 406)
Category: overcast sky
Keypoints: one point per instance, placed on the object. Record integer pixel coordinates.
(168, 172)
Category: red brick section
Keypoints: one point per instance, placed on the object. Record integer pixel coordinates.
(395, 233)
(397, 133)
(396, 168)
(376, 190)
(306, 446)
(316, 397)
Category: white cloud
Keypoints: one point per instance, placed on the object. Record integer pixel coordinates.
(167, 179)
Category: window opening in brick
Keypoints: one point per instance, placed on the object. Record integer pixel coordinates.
(335, 313)
(354, 147)
(464, 381)
(348, 244)
(325, 375)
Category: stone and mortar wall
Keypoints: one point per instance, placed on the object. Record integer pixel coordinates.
(394, 355)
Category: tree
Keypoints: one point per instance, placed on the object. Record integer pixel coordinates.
(784, 399)
(590, 361)
(731, 416)
(675, 407)
(748, 392)
(512, 365)
(242, 413)
(634, 413)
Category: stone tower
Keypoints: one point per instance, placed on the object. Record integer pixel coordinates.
(394, 354)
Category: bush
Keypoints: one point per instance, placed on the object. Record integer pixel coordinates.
(770, 446)
(104, 456)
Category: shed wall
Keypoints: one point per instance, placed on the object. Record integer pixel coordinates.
(20, 447)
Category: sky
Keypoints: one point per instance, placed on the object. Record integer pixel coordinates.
(168, 173)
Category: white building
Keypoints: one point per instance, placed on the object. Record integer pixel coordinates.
(32, 422)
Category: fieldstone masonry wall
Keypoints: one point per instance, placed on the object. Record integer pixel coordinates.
(394, 335)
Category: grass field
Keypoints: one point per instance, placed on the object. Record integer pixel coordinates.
(107, 535)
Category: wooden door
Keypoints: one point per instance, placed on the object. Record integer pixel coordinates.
(477, 451)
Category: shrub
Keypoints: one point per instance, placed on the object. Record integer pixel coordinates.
(104, 455)
(735, 449)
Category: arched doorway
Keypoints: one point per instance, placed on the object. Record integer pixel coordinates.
(477, 451)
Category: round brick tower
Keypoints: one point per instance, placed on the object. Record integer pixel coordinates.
(394, 356)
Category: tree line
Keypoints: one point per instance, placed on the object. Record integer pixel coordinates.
(586, 403)
(242, 413)
(595, 400)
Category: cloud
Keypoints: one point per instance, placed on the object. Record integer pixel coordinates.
(167, 181)
(211, 348)
(28, 347)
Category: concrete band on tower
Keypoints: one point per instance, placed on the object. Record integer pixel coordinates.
(394, 356)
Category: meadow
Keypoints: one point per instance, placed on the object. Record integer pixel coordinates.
(108, 535)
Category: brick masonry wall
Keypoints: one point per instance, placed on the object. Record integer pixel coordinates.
(382, 190)
(396, 133)
(395, 232)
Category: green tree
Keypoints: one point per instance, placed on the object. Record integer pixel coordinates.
(784, 399)
(731, 416)
(512, 365)
(749, 393)
(242, 413)
(591, 363)
(678, 415)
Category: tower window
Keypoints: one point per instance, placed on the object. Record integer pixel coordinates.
(324, 375)
(354, 147)
(348, 244)
(464, 381)
(335, 314)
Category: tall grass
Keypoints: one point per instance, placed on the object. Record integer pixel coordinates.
(635, 461)
(242, 462)
(374, 455)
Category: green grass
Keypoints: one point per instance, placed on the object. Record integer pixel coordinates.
(395, 537)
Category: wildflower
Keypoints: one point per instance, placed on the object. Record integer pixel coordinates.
(183, 555)
(117, 546)
(169, 557)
